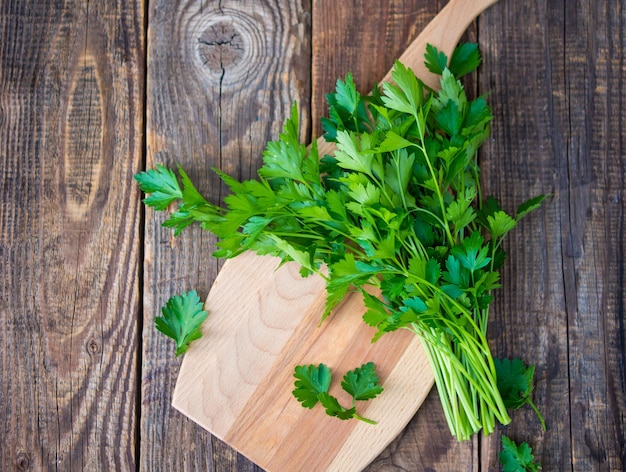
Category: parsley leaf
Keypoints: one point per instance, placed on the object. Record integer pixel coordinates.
(311, 381)
(515, 383)
(162, 185)
(465, 59)
(182, 316)
(436, 61)
(500, 223)
(333, 408)
(362, 382)
(529, 205)
(516, 458)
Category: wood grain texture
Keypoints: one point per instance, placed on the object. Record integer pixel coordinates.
(222, 77)
(559, 127)
(71, 82)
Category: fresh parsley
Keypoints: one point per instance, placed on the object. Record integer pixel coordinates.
(465, 58)
(313, 382)
(182, 317)
(517, 458)
(515, 383)
(397, 206)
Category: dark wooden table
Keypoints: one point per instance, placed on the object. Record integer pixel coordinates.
(94, 91)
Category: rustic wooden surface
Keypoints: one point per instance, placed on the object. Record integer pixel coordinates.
(92, 91)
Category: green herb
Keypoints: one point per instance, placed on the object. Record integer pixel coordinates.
(464, 59)
(398, 207)
(182, 316)
(516, 458)
(313, 382)
(515, 383)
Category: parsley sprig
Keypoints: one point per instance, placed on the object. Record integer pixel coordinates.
(517, 458)
(397, 206)
(516, 384)
(313, 382)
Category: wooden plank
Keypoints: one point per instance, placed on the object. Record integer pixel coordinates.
(71, 91)
(560, 127)
(365, 40)
(222, 77)
(523, 130)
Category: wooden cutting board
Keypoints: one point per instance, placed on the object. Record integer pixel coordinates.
(236, 381)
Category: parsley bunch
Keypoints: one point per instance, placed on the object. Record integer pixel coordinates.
(397, 207)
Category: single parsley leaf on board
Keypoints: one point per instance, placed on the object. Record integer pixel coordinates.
(516, 458)
(311, 381)
(182, 316)
(362, 383)
(161, 184)
(515, 384)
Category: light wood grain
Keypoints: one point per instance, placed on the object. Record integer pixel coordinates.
(71, 82)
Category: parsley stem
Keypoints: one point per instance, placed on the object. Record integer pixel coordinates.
(436, 185)
(366, 420)
(539, 415)
(444, 359)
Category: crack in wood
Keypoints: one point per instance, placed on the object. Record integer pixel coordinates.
(222, 46)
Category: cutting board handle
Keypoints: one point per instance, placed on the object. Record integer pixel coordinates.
(444, 32)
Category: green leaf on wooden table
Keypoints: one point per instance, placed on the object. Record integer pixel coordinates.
(515, 383)
(283, 158)
(499, 224)
(182, 316)
(162, 185)
(465, 59)
(517, 458)
(347, 95)
(529, 205)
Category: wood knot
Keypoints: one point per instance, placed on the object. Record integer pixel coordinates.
(228, 46)
(93, 347)
(22, 461)
(221, 46)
